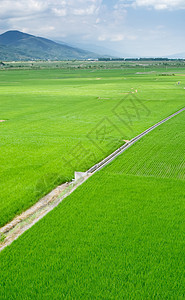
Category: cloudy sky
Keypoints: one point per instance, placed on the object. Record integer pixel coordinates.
(128, 27)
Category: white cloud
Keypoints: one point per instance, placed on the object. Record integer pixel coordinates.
(103, 22)
(9, 8)
(117, 38)
(160, 4)
(112, 37)
(37, 14)
(15, 8)
(102, 38)
(59, 12)
(58, 18)
(85, 11)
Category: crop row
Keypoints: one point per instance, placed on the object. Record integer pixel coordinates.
(118, 236)
(61, 121)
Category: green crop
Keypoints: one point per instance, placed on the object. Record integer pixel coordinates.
(160, 154)
(61, 120)
(118, 236)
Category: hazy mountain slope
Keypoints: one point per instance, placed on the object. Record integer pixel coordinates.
(177, 56)
(15, 45)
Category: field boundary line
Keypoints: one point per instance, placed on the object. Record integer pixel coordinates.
(120, 150)
(11, 231)
(27, 219)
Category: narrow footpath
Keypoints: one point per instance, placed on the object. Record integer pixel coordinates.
(27, 219)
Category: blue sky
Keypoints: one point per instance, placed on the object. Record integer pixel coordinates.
(128, 27)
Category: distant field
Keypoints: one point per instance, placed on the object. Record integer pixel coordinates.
(142, 65)
(118, 236)
(59, 121)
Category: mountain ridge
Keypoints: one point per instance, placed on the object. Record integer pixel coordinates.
(16, 45)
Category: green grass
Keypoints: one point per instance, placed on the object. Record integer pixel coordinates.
(51, 112)
(118, 236)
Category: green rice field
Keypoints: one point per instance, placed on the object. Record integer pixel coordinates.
(163, 150)
(118, 236)
(61, 120)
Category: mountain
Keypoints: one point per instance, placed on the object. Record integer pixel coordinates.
(177, 56)
(101, 50)
(16, 45)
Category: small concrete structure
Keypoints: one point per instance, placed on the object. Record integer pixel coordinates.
(80, 175)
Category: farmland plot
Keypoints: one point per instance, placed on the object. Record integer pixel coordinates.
(59, 121)
(120, 235)
(161, 154)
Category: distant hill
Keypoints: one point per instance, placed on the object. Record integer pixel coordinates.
(177, 56)
(16, 45)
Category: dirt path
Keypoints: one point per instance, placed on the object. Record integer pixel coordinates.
(27, 219)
